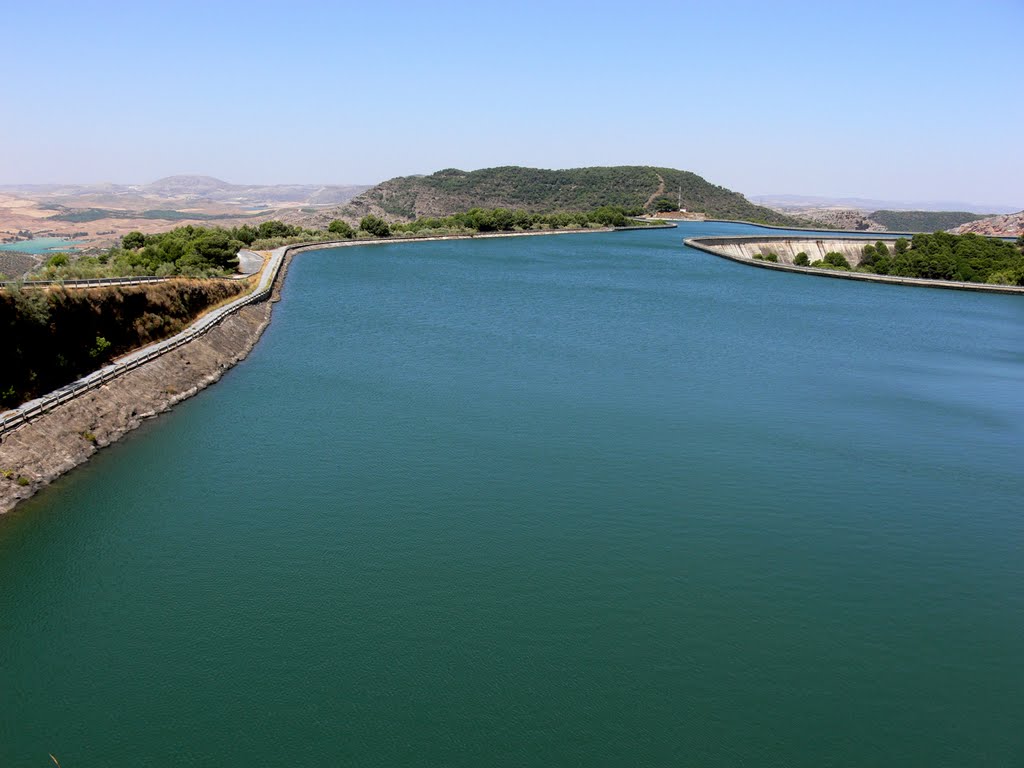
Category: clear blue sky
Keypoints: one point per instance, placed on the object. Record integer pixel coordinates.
(897, 100)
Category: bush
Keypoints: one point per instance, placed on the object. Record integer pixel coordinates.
(801, 260)
(375, 226)
(273, 228)
(342, 228)
(836, 259)
(133, 241)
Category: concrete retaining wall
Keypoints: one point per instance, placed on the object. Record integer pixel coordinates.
(786, 248)
(743, 249)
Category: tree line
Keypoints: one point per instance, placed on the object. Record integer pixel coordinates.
(196, 251)
(943, 256)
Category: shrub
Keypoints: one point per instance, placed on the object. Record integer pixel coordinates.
(801, 260)
(836, 259)
(339, 227)
(133, 241)
(375, 226)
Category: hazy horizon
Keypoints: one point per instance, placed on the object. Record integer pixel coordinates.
(786, 99)
(760, 198)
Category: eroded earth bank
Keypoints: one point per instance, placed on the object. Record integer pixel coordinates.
(56, 442)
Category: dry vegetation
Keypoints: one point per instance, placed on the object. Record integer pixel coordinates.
(57, 335)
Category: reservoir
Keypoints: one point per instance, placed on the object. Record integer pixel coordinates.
(592, 499)
(39, 245)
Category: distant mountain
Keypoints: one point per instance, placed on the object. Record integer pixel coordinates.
(186, 189)
(883, 221)
(198, 186)
(792, 202)
(547, 191)
(1011, 225)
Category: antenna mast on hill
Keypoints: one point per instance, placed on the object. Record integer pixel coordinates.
(680, 197)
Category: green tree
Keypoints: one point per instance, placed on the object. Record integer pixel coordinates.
(801, 259)
(901, 246)
(133, 240)
(273, 228)
(342, 228)
(609, 216)
(217, 247)
(836, 259)
(665, 204)
(245, 234)
(375, 226)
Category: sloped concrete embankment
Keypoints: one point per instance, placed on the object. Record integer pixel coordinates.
(787, 248)
(744, 249)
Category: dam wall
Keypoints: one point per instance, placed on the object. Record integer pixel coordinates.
(786, 248)
(744, 249)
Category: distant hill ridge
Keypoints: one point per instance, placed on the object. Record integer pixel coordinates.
(187, 188)
(923, 221)
(884, 220)
(547, 191)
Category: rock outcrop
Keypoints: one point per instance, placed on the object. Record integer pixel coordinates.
(1007, 225)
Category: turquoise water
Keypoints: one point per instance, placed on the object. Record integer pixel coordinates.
(39, 245)
(575, 500)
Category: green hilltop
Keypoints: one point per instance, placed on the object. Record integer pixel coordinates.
(551, 191)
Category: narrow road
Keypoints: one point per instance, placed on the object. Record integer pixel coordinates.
(657, 193)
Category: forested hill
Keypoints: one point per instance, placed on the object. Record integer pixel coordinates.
(923, 221)
(543, 191)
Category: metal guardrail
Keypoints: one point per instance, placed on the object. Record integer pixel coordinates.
(17, 417)
(95, 282)
(25, 413)
(100, 282)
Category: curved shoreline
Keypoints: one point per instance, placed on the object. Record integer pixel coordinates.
(48, 437)
(858, 232)
(717, 246)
